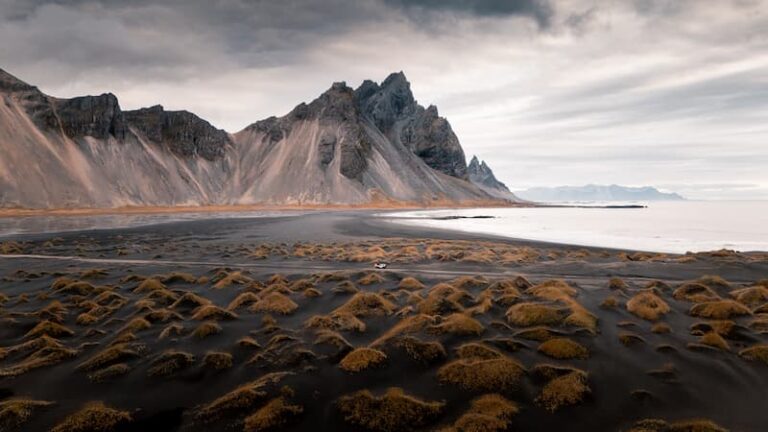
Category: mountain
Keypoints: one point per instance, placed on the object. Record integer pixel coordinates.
(596, 193)
(370, 145)
(481, 175)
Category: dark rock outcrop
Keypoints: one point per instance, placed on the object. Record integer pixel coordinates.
(393, 110)
(182, 132)
(95, 116)
(481, 174)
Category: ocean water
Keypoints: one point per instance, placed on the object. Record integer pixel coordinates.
(672, 227)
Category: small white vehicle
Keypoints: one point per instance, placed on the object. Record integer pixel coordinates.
(380, 265)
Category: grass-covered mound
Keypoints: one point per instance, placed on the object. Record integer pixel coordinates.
(487, 413)
(647, 305)
(14, 413)
(568, 389)
(95, 416)
(494, 374)
(394, 411)
(361, 359)
(563, 348)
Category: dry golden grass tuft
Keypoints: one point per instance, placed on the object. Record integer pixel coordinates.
(49, 328)
(562, 348)
(714, 340)
(467, 282)
(488, 413)
(171, 330)
(756, 353)
(217, 360)
(494, 374)
(759, 325)
(362, 358)
(719, 309)
(301, 285)
(336, 321)
(276, 413)
(190, 300)
(170, 362)
(135, 325)
(617, 284)
(224, 279)
(94, 416)
(661, 328)
(609, 302)
(109, 372)
(695, 292)
(554, 289)
(421, 351)
(538, 333)
(366, 304)
(533, 314)
(239, 399)
(14, 413)
(751, 296)
(312, 293)
(162, 315)
(345, 287)
(714, 282)
(721, 327)
(212, 312)
(477, 350)
(334, 339)
(206, 329)
(113, 354)
(630, 339)
(149, 285)
(371, 279)
(242, 299)
(568, 389)
(394, 411)
(411, 284)
(458, 324)
(408, 325)
(580, 317)
(647, 305)
(441, 299)
(275, 302)
(694, 425)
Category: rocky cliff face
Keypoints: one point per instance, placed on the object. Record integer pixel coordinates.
(184, 133)
(481, 175)
(349, 146)
(95, 116)
(394, 111)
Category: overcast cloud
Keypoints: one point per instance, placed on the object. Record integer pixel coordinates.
(669, 93)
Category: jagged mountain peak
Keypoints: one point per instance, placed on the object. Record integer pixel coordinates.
(482, 175)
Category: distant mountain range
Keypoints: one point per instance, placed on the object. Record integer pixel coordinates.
(596, 193)
(370, 145)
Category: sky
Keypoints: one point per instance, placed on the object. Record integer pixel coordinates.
(666, 93)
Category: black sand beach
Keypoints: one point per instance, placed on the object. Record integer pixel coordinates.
(479, 333)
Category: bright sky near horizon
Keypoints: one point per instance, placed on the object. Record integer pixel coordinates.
(666, 93)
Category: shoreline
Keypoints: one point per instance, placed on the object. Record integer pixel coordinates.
(241, 208)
